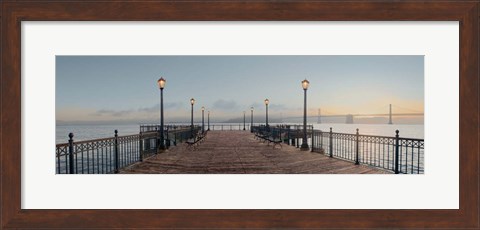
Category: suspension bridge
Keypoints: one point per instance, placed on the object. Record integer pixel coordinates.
(349, 117)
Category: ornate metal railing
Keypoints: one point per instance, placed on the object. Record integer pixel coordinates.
(108, 155)
(290, 134)
(105, 155)
(221, 127)
(229, 127)
(155, 127)
(173, 134)
(398, 154)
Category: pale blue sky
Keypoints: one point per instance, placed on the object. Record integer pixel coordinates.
(106, 88)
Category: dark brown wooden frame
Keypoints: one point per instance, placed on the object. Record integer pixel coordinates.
(14, 12)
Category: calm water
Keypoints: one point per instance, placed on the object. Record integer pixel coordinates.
(88, 132)
(412, 131)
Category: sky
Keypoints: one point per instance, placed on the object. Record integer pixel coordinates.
(123, 89)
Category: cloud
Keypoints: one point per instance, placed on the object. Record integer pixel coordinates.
(256, 105)
(113, 113)
(224, 105)
(156, 108)
(271, 106)
(277, 107)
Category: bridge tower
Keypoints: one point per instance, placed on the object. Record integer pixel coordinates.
(390, 116)
(319, 121)
(349, 119)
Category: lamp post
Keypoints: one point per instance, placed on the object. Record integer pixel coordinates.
(304, 146)
(266, 112)
(243, 120)
(251, 119)
(192, 101)
(203, 120)
(161, 84)
(208, 119)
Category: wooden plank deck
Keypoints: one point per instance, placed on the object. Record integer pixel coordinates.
(237, 152)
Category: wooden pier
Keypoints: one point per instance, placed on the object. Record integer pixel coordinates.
(238, 152)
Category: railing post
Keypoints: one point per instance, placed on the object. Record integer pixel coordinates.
(357, 162)
(296, 137)
(70, 153)
(331, 142)
(175, 140)
(116, 151)
(167, 144)
(140, 146)
(312, 145)
(396, 152)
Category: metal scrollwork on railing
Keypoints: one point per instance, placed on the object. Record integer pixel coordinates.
(108, 155)
(402, 155)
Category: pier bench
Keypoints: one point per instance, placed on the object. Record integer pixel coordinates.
(272, 137)
(275, 141)
(275, 138)
(193, 143)
(262, 136)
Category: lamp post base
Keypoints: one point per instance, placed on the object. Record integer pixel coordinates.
(304, 147)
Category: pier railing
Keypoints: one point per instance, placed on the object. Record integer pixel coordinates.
(213, 127)
(231, 127)
(173, 134)
(290, 134)
(155, 127)
(108, 155)
(397, 154)
(98, 156)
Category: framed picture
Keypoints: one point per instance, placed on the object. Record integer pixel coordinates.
(256, 114)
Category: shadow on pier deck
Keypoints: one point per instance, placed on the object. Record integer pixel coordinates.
(237, 152)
